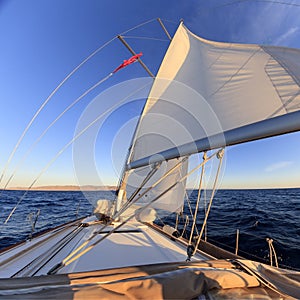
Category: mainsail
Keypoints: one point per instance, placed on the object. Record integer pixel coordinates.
(209, 94)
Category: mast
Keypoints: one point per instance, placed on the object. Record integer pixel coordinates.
(124, 177)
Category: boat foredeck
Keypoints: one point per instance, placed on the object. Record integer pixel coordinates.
(133, 244)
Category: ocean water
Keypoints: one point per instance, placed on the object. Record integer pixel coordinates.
(258, 214)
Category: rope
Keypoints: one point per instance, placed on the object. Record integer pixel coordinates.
(255, 235)
(32, 218)
(186, 223)
(198, 199)
(146, 179)
(258, 277)
(72, 257)
(205, 210)
(78, 208)
(137, 26)
(40, 261)
(190, 209)
(165, 20)
(160, 219)
(240, 251)
(176, 222)
(132, 201)
(61, 151)
(122, 210)
(220, 156)
(272, 252)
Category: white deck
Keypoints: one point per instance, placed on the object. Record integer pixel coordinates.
(133, 244)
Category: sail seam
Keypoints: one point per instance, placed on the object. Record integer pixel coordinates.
(283, 65)
(273, 70)
(218, 58)
(237, 72)
(275, 87)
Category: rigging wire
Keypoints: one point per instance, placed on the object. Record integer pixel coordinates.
(52, 123)
(146, 179)
(263, 1)
(47, 100)
(190, 209)
(186, 223)
(72, 256)
(55, 91)
(248, 254)
(144, 38)
(198, 198)
(117, 214)
(169, 21)
(67, 145)
(138, 26)
(132, 201)
(220, 155)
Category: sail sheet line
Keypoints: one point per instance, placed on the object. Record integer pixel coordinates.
(190, 209)
(76, 254)
(146, 179)
(132, 201)
(198, 199)
(178, 181)
(220, 155)
(70, 257)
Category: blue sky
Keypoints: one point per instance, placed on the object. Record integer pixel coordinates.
(42, 41)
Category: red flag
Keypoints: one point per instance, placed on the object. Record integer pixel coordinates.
(128, 61)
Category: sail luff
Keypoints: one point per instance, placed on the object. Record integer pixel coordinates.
(264, 129)
(130, 181)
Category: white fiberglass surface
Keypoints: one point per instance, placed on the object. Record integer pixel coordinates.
(142, 247)
(131, 245)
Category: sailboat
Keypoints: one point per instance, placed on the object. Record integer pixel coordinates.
(205, 96)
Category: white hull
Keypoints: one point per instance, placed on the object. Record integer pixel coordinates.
(133, 244)
(135, 262)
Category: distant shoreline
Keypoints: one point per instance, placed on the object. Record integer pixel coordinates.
(74, 188)
(65, 188)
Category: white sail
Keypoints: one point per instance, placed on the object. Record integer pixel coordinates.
(204, 89)
(172, 200)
